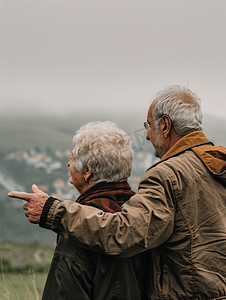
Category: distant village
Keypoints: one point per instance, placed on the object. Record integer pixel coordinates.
(39, 160)
(47, 164)
(55, 163)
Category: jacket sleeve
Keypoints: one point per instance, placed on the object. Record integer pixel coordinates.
(145, 222)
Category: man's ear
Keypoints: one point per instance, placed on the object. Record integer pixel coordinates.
(87, 175)
(166, 125)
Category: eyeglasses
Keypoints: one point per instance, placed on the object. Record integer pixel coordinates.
(147, 125)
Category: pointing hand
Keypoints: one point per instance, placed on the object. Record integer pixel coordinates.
(35, 202)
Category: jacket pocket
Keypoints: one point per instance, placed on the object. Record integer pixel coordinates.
(161, 275)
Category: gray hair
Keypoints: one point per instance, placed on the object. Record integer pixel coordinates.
(105, 150)
(182, 106)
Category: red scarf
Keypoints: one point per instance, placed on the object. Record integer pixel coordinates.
(107, 196)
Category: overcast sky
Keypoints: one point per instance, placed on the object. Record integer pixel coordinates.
(77, 56)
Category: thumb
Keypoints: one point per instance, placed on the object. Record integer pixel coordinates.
(35, 189)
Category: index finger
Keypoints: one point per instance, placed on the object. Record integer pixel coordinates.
(20, 195)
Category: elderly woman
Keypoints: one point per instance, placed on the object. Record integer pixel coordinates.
(100, 165)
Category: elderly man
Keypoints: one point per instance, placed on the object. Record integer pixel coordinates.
(178, 215)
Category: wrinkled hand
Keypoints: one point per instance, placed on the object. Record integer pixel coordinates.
(35, 202)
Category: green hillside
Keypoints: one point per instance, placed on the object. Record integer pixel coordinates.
(57, 132)
(54, 132)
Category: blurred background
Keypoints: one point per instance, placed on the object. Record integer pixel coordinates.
(64, 63)
(75, 57)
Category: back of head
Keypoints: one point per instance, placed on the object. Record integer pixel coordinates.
(105, 150)
(182, 106)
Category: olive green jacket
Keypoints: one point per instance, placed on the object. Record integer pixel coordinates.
(178, 216)
(79, 274)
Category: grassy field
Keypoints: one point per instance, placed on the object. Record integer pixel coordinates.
(23, 270)
(22, 286)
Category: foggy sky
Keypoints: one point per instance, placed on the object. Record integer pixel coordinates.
(76, 56)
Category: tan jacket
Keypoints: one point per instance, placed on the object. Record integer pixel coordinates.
(178, 215)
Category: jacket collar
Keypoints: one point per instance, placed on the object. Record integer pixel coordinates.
(193, 139)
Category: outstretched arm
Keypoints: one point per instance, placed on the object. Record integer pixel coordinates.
(146, 220)
(142, 224)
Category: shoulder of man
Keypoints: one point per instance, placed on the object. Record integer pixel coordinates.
(176, 170)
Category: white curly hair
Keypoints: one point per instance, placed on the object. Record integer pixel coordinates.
(105, 150)
(182, 106)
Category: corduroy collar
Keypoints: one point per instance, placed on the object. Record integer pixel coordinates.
(190, 140)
